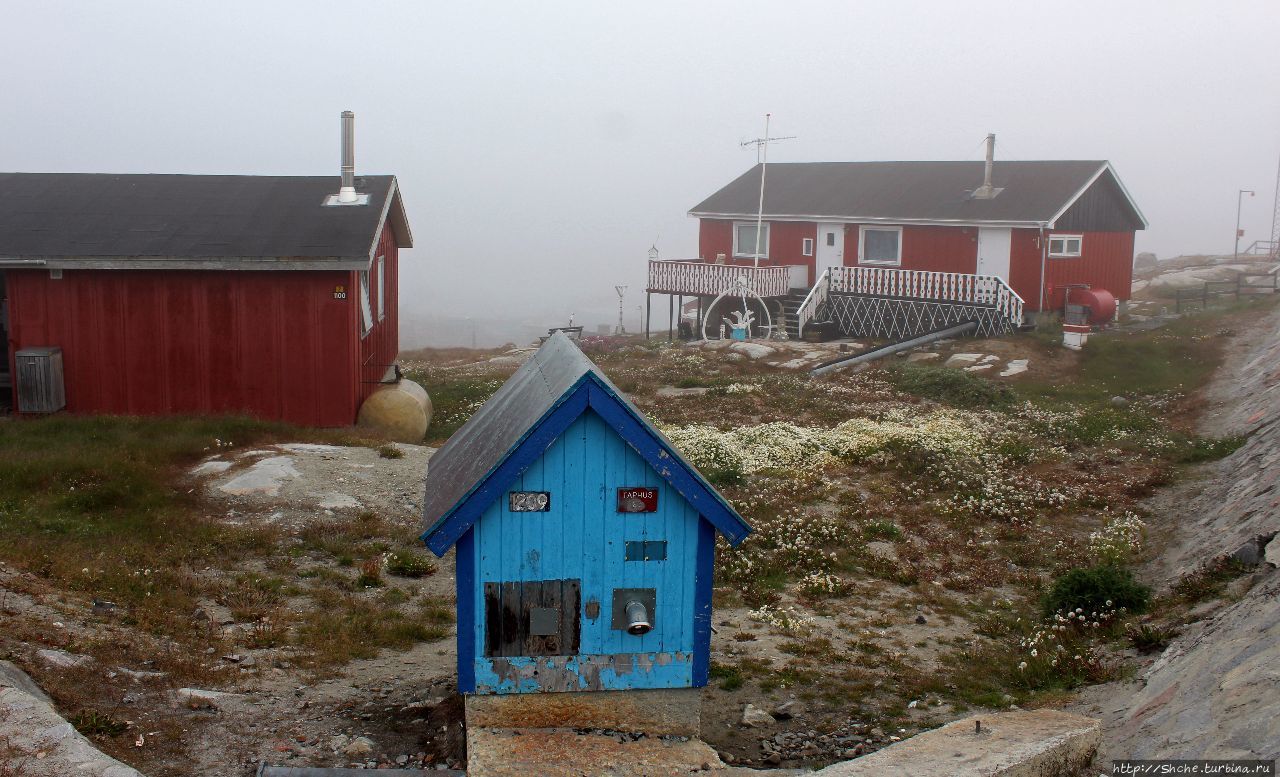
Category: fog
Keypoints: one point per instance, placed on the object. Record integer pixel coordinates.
(542, 148)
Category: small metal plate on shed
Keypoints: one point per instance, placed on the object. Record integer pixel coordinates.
(623, 596)
(544, 621)
(637, 500)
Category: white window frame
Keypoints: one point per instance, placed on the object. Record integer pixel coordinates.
(862, 246)
(1064, 253)
(764, 228)
(381, 268)
(366, 312)
(806, 247)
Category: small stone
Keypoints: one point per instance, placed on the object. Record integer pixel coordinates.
(921, 620)
(1119, 401)
(785, 710)
(773, 759)
(402, 760)
(359, 746)
(62, 659)
(754, 717)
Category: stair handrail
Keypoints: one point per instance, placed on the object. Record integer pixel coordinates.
(812, 301)
(965, 288)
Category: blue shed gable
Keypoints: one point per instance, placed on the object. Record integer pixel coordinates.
(594, 392)
(582, 539)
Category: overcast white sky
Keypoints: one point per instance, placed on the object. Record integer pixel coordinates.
(543, 146)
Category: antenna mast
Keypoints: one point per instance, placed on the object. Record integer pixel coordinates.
(621, 291)
(762, 158)
(1275, 218)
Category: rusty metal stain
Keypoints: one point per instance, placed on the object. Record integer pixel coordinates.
(574, 673)
(593, 608)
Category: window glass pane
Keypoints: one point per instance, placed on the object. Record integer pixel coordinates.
(1073, 246)
(1055, 245)
(366, 313)
(880, 245)
(747, 239)
(382, 289)
(831, 238)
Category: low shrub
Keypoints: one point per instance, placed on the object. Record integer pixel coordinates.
(1104, 587)
(1210, 579)
(390, 452)
(1151, 639)
(406, 564)
(951, 386)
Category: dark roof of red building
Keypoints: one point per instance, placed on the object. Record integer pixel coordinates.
(1034, 192)
(207, 221)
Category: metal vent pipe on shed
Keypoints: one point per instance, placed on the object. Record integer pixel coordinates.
(348, 191)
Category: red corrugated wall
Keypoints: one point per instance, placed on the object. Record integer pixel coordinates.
(941, 249)
(379, 348)
(786, 242)
(270, 344)
(1106, 262)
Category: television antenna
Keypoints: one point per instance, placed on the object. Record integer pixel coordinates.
(762, 158)
(1275, 218)
(622, 290)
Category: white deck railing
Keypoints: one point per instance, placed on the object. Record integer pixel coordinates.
(816, 298)
(677, 276)
(964, 288)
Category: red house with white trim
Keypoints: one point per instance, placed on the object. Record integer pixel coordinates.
(270, 296)
(1039, 225)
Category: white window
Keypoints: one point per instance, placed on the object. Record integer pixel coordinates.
(366, 312)
(880, 245)
(1065, 245)
(744, 240)
(381, 270)
(806, 247)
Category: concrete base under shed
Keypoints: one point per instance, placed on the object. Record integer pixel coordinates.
(653, 732)
(563, 752)
(662, 712)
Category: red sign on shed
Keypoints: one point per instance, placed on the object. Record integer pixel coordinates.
(637, 500)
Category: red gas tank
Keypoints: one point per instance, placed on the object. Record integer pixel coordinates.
(1100, 302)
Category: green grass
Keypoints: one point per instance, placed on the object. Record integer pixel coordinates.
(454, 398)
(98, 507)
(951, 386)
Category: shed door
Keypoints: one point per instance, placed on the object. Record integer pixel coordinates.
(532, 618)
(993, 252)
(830, 252)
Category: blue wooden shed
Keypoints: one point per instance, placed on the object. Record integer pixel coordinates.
(585, 542)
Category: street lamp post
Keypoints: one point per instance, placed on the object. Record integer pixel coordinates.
(1239, 201)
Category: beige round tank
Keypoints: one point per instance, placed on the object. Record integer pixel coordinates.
(400, 411)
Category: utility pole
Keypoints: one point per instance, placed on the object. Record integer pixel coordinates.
(621, 291)
(1239, 201)
(762, 156)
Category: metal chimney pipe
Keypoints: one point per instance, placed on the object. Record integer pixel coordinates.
(348, 191)
(991, 156)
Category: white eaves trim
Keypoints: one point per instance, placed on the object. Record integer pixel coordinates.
(868, 220)
(1106, 167)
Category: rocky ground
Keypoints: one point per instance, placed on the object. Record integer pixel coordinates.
(888, 597)
(1212, 693)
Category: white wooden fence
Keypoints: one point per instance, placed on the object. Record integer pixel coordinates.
(677, 276)
(964, 288)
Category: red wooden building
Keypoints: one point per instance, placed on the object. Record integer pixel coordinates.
(168, 294)
(1023, 229)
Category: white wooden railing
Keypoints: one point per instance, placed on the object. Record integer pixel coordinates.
(677, 276)
(964, 288)
(816, 298)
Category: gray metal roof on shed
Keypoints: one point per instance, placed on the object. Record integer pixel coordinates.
(1034, 192)
(502, 424)
(192, 221)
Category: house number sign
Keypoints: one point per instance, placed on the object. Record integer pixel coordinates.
(339, 292)
(637, 500)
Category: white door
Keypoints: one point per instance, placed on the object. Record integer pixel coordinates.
(830, 250)
(993, 252)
